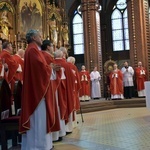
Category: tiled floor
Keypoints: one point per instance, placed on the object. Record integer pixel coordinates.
(117, 129)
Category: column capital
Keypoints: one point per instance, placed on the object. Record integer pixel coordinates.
(89, 5)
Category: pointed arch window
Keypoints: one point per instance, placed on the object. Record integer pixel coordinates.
(78, 40)
(120, 30)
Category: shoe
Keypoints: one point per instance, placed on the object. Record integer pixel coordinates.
(68, 133)
(60, 139)
(96, 98)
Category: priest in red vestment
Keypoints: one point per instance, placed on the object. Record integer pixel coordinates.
(140, 74)
(66, 88)
(71, 61)
(7, 58)
(116, 83)
(37, 110)
(48, 53)
(77, 87)
(85, 84)
(68, 82)
(13, 67)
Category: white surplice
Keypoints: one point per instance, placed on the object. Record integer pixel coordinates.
(96, 89)
(127, 76)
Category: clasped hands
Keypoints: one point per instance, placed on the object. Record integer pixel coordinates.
(55, 67)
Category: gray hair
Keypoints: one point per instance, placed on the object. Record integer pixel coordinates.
(71, 60)
(21, 52)
(58, 54)
(64, 50)
(30, 34)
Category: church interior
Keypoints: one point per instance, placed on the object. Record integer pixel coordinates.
(97, 33)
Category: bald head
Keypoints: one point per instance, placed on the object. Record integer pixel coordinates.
(58, 54)
(139, 64)
(71, 60)
(64, 50)
(21, 53)
(83, 67)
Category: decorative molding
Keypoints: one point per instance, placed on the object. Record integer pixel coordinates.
(134, 31)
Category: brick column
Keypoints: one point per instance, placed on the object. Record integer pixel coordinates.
(139, 32)
(92, 39)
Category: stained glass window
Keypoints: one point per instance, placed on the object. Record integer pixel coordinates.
(78, 39)
(120, 30)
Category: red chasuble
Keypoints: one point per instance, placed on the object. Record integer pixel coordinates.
(48, 57)
(85, 83)
(19, 75)
(140, 74)
(77, 86)
(116, 82)
(36, 85)
(12, 64)
(65, 90)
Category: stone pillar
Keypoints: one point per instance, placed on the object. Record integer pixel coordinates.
(92, 35)
(139, 32)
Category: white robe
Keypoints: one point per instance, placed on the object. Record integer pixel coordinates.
(62, 131)
(127, 76)
(96, 89)
(37, 137)
(69, 125)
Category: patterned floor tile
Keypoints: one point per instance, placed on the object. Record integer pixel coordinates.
(117, 129)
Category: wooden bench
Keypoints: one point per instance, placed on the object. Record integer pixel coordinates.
(8, 123)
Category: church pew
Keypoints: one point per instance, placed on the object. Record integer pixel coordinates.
(17, 97)
(8, 123)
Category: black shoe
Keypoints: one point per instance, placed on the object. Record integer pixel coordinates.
(82, 101)
(68, 133)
